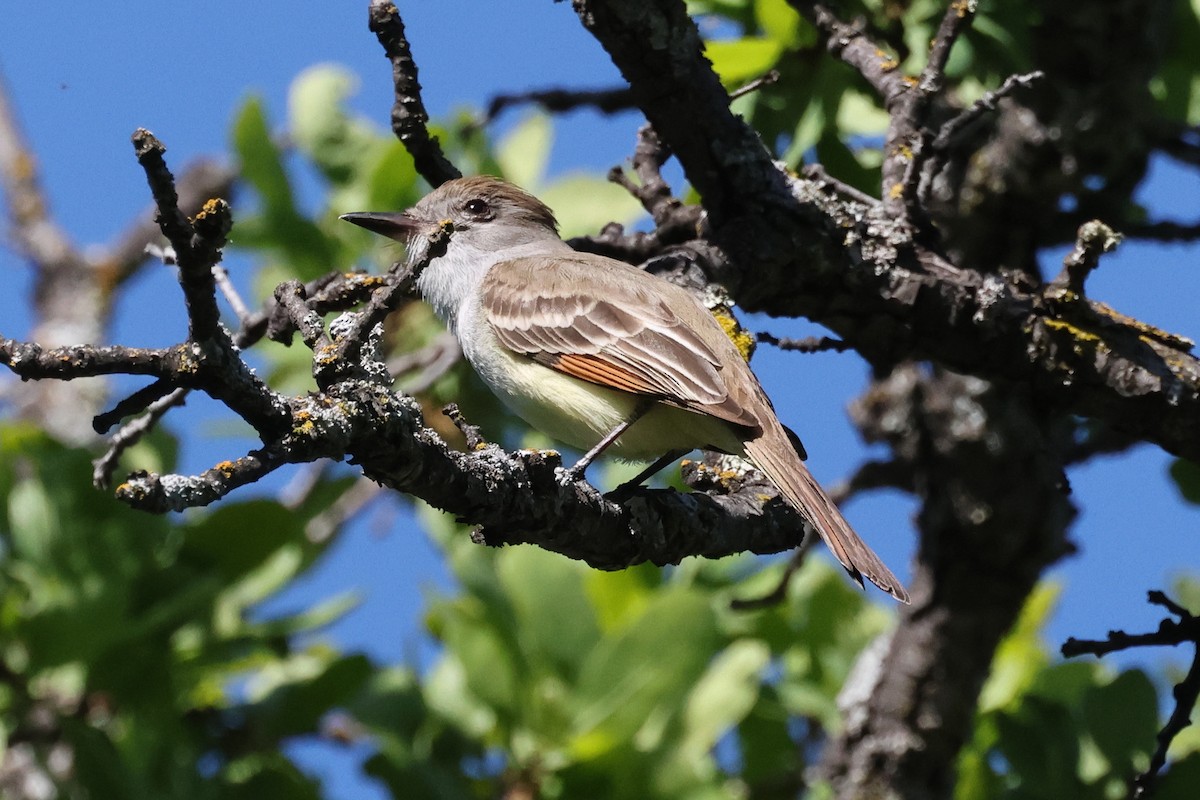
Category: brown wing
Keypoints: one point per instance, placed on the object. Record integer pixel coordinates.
(636, 333)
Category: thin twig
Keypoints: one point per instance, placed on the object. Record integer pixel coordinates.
(431, 363)
(197, 246)
(985, 104)
(809, 344)
(911, 125)
(400, 283)
(231, 295)
(1093, 240)
(349, 504)
(200, 181)
(1163, 231)
(606, 101)
(133, 404)
(753, 86)
(778, 594)
(651, 190)
(409, 118)
(1170, 632)
(471, 433)
(130, 434)
(818, 173)
(851, 44)
(291, 304)
(161, 493)
(937, 150)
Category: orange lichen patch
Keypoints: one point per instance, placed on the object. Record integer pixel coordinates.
(23, 167)
(887, 61)
(1074, 331)
(896, 191)
(304, 424)
(742, 339)
(226, 468)
(1143, 328)
(213, 205)
(324, 356)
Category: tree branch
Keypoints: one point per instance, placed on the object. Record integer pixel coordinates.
(409, 118)
(1187, 691)
(861, 274)
(606, 101)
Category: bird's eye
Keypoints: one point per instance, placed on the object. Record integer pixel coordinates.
(477, 206)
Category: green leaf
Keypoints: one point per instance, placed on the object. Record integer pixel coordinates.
(267, 776)
(321, 615)
(633, 678)
(859, 114)
(97, 764)
(319, 124)
(483, 639)
(1177, 84)
(1122, 718)
(620, 597)
(740, 60)
(725, 694)
(33, 521)
(1180, 780)
(410, 777)
(555, 621)
(1186, 475)
(236, 538)
(1021, 654)
(782, 23)
(391, 178)
(1041, 743)
(585, 203)
(1067, 682)
(768, 750)
(448, 695)
(290, 697)
(524, 153)
(260, 162)
(391, 701)
(279, 226)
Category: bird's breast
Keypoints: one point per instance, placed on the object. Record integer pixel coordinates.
(578, 413)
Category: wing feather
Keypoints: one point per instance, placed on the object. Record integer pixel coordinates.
(636, 337)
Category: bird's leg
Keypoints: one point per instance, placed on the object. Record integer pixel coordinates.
(618, 494)
(576, 472)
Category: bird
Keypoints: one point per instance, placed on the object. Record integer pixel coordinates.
(597, 353)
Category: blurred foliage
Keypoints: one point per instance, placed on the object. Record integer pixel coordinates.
(130, 649)
(133, 662)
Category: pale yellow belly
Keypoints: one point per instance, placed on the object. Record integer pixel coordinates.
(579, 414)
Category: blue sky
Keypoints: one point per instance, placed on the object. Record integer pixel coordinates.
(82, 77)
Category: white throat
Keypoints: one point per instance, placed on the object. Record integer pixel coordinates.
(452, 280)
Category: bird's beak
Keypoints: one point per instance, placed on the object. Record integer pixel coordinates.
(394, 225)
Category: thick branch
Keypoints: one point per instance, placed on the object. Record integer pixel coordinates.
(993, 516)
(659, 51)
(860, 274)
(522, 497)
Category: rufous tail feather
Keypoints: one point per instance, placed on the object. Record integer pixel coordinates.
(775, 456)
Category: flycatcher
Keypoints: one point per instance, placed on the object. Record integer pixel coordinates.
(586, 348)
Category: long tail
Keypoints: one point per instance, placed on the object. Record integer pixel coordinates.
(774, 455)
